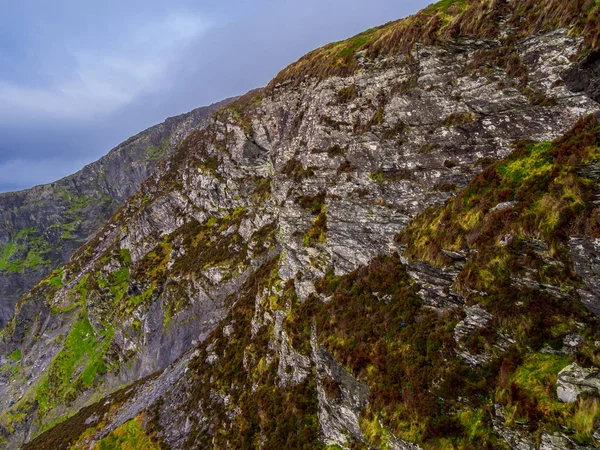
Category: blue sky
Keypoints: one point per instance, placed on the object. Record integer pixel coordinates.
(78, 77)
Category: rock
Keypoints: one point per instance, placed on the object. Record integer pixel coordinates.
(585, 254)
(585, 76)
(506, 239)
(435, 284)
(503, 206)
(477, 318)
(574, 380)
(339, 415)
(558, 441)
(572, 343)
(456, 256)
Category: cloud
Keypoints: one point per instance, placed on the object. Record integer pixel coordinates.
(105, 79)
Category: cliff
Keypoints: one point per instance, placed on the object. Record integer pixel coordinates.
(393, 245)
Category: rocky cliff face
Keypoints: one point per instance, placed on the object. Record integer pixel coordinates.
(394, 245)
(40, 228)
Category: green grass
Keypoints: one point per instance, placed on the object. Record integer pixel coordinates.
(56, 278)
(585, 419)
(15, 356)
(28, 250)
(129, 436)
(76, 366)
(537, 378)
(535, 161)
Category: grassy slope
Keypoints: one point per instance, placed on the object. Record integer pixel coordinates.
(448, 19)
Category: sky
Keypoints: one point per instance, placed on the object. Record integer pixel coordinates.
(79, 77)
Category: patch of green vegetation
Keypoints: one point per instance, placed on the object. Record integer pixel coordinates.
(55, 279)
(15, 356)
(11, 418)
(377, 177)
(76, 367)
(157, 153)
(584, 421)
(375, 434)
(77, 203)
(68, 228)
(318, 229)
(531, 390)
(28, 250)
(131, 436)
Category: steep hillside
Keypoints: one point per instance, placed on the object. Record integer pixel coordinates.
(40, 228)
(394, 245)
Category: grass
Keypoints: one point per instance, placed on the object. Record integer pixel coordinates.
(585, 419)
(55, 278)
(76, 366)
(15, 356)
(129, 436)
(535, 381)
(553, 201)
(157, 153)
(28, 250)
(445, 20)
(317, 232)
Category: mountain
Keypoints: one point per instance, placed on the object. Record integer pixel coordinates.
(40, 228)
(395, 244)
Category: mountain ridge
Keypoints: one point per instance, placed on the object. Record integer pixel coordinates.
(40, 227)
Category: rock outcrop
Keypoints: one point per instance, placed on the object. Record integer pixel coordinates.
(574, 380)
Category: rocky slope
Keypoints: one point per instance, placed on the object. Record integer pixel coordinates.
(394, 245)
(40, 228)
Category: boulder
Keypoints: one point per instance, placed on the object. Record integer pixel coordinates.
(574, 380)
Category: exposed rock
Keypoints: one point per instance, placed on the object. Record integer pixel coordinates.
(476, 319)
(503, 206)
(338, 414)
(585, 76)
(574, 380)
(586, 258)
(558, 441)
(435, 284)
